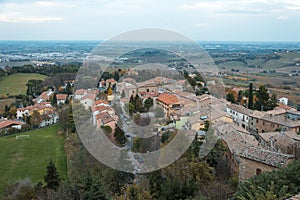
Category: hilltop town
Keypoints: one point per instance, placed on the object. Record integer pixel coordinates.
(247, 132)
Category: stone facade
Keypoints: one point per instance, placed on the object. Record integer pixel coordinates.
(250, 168)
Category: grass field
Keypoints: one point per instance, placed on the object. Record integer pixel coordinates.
(16, 83)
(30, 157)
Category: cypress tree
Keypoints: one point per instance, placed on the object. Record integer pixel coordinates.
(250, 100)
(54, 100)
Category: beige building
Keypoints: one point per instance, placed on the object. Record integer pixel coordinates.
(256, 160)
(147, 86)
(169, 102)
(261, 123)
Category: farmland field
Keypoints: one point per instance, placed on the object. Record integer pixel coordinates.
(16, 83)
(29, 157)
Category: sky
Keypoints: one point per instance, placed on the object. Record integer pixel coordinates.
(201, 20)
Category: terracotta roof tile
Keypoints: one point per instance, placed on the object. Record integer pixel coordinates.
(61, 96)
(100, 101)
(8, 123)
(104, 117)
(168, 99)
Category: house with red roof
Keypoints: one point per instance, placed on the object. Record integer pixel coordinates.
(61, 98)
(44, 97)
(101, 102)
(105, 119)
(88, 100)
(169, 102)
(80, 93)
(6, 124)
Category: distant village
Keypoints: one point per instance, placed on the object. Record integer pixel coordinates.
(258, 141)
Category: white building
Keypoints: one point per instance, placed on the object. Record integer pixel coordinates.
(283, 100)
(49, 119)
(240, 115)
(88, 101)
(61, 98)
(79, 94)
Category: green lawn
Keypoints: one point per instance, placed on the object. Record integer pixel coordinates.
(16, 83)
(30, 157)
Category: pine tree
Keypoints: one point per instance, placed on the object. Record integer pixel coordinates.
(250, 100)
(52, 178)
(240, 96)
(117, 76)
(6, 110)
(132, 100)
(120, 136)
(272, 102)
(262, 96)
(230, 97)
(148, 103)
(69, 88)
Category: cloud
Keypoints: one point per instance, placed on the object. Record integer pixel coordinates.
(293, 5)
(29, 11)
(240, 7)
(282, 17)
(16, 18)
(48, 3)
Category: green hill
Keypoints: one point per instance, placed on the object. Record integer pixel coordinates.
(21, 158)
(16, 83)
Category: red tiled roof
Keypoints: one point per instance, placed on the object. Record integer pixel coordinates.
(168, 99)
(90, 96)
(100, 101)
(61, 96)
(101, 108)
(104, 117)
(8, 123)
(80, 92)
(37, 106)
(280, 105)
(44, 95)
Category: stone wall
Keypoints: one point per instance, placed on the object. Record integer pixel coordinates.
(249, 168)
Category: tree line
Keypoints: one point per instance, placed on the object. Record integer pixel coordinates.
(257, 99)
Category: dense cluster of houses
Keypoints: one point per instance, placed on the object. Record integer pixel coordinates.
(256, 141)
(41, 105)
(281, 118)
(277, 134)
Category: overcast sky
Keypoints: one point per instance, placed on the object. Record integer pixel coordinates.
(207, 20)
